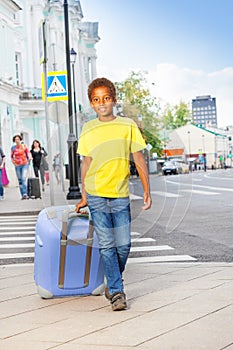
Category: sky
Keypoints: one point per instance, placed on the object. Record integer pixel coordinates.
(185, 47)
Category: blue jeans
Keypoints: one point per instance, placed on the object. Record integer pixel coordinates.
(21, 173)
(112, 221)
(1, 187)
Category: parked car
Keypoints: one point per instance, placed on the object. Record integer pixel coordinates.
(170, 168)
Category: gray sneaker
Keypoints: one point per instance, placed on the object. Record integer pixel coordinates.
(118, 301)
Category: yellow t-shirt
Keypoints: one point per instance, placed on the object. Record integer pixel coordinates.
(109, 144)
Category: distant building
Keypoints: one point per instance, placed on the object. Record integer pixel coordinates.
(204, 111)
(198, 142)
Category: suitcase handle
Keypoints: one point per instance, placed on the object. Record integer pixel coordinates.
(70, 213)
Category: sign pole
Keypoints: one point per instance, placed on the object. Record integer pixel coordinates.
(47, 116)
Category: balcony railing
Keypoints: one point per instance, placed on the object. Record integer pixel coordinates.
(31, 94)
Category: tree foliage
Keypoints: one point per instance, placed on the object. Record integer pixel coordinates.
(176, 116)
(138, 104)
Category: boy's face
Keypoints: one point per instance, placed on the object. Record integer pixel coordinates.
(102, 102)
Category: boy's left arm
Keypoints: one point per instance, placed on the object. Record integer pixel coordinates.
(143, 173)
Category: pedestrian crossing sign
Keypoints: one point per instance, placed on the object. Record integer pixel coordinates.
(57, 86)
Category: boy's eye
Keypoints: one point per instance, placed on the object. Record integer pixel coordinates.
(107, 99)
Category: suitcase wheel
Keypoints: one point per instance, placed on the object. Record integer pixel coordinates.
(44, 293)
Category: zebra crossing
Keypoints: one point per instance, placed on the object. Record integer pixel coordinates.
(145, 250)
(17, 240)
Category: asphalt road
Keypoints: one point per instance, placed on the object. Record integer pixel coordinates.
(192, 213)
(190, 220)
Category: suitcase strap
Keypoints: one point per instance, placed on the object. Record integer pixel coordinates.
(63, 245)
(88, 254)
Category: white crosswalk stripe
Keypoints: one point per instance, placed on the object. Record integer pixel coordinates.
(17, 240)
(166, 194)
(163, 258)
(142, 240)
(19, 233)
(16, 256)
(151, 248)
(206, 193)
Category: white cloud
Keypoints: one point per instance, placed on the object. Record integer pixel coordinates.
(173, 83)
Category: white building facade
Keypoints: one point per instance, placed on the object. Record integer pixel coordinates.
(22, 110)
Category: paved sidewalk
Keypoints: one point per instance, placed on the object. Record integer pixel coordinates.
(13, 203)
(172, 306)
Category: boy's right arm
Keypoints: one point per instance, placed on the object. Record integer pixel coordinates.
(144, 176)
(85, 166)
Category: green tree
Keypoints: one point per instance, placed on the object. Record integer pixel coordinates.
(138, 104)
(176, 116)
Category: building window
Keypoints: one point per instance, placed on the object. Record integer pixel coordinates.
(18, 68)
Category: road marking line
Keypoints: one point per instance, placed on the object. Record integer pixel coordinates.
(134, 197)
(17, 239)
(168, 258)
(135, 234)
(166, 194)
(18, 265)
(17, 228)
(142, 240)
(23, 245)
(19, 223)
(202, 186)
(21, 217)
(151, 248)
(201, 192)
(16, 255)
(17, 233)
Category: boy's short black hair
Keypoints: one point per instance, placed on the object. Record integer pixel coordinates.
(19, 136)
(102, 82)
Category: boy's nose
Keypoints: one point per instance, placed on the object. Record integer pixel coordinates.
(102, 101)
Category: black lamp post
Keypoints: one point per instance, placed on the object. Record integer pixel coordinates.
(74, 190)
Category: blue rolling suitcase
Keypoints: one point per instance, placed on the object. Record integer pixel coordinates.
(67, 260)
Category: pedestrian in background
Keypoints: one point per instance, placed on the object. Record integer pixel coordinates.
(39, 162)
(57, 167)
(20, 156)
(106, 144)
(2, 164)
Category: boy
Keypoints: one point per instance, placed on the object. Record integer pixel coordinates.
(106, 144)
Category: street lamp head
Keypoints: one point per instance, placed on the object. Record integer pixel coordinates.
(73, 55)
